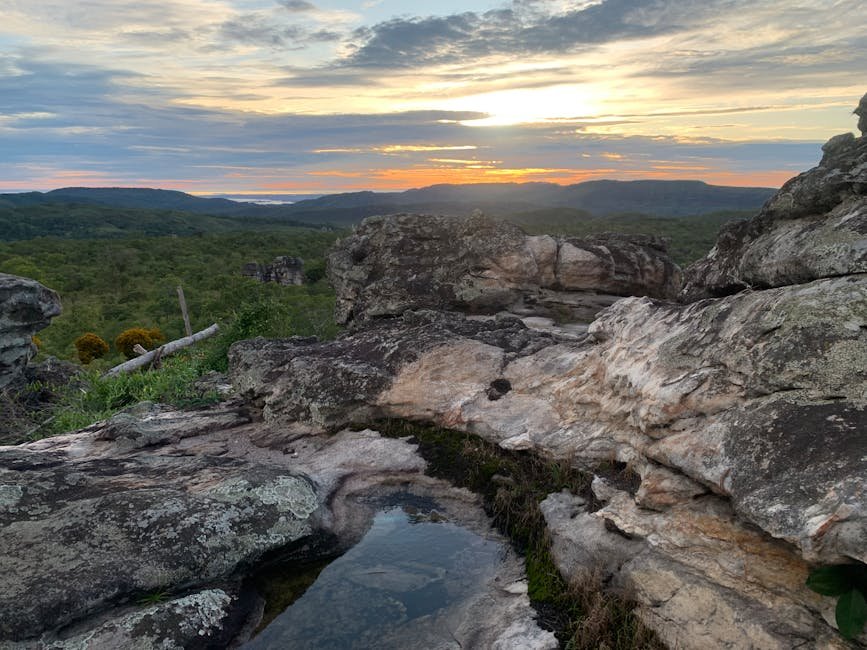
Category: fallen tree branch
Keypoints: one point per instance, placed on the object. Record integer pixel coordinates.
(165, 350)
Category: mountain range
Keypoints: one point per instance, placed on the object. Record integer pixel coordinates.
(596, 198)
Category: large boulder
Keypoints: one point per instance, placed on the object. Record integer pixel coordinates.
(25, 308)
(814, 227)
(285, 270)
(482, 265)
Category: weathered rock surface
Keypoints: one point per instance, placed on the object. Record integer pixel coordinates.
(482, 265)
(26, 401)
(161, 501)
(191, 622)
(814, 227)
(82, 531)
(333, 385)
(288, 271)
(745, 418)
(25, 308)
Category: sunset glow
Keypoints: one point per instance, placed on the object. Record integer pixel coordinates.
(247, 96)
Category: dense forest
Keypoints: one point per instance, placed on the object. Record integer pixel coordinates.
(109, 285)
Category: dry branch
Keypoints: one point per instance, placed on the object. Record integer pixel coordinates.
(162, 351)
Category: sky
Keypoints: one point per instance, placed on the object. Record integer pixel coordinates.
(323, 96)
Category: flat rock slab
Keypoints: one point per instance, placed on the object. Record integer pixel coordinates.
(80, 535)
(743, 417)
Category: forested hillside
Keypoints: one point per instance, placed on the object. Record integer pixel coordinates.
(600, 198)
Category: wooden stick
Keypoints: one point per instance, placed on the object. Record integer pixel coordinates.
(184, 312)
(165, 350)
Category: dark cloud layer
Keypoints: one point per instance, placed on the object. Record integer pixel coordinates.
(523, 29)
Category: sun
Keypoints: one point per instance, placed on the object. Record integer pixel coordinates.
(527, 105)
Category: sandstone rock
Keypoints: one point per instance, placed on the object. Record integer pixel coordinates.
(25, 308)
(83, 530)
(338, 383)
(27, 400)
(288, 271)
(744, 417)
(814, 227)
(482, 265)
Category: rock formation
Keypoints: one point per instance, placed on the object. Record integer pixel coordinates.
(288, 271)
(814, 227)
(25, 308)
(482, 266)
(743, 416)
(176, 505)
(861, 112)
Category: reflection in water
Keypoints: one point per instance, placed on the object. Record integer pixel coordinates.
(402, 586)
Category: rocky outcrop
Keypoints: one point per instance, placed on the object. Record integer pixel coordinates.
(481, 265)
(288, 271)
(743, 417)
(99, 527)
(27, 401)
(814, 227)
(25, 308)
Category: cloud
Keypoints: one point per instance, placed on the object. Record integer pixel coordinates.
(258, 30)
(298, 5)
(235, 94)
(70, 122)
(524, 28)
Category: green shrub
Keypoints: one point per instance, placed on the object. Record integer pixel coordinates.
(89, 347)
(289, 312)
(848, 582)
(128, 339)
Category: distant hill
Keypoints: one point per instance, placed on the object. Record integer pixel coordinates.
(94, 221)
(598, 198)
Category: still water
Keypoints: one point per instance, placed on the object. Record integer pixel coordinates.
(402, 586)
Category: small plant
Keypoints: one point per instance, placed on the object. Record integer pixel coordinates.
(128, 339)
(89, 347)
(154, 598)
(37, 342)
(849, 583)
